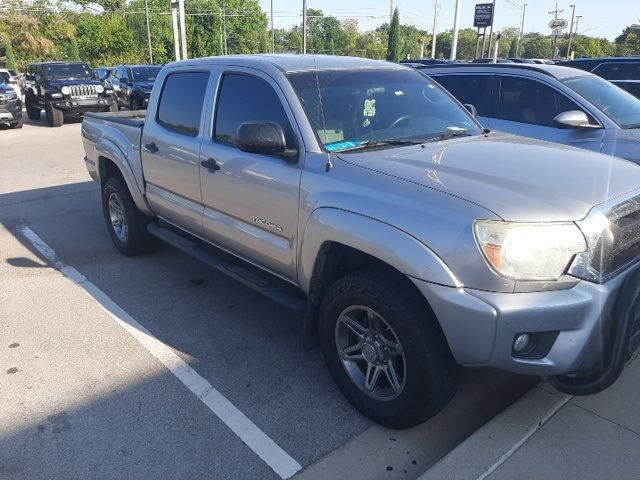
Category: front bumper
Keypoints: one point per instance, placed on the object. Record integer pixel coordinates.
(594, 325)
(10, 112)
(80, 105)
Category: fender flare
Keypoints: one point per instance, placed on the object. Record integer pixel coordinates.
(408, 254)
(108, 150)
(332, 225)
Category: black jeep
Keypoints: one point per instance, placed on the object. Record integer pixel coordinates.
(64, 89)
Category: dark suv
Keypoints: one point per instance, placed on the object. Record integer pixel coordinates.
(622, 71)
(132, 84)
(64, 89)
(10, 106)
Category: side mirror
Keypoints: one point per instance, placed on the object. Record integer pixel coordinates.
(573, 119)
(38, 77)
(266, 138)
(471, 109)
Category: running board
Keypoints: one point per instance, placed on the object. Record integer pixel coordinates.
(262, 282)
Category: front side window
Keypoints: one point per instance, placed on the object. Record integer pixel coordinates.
(619, 105)
(351, 109)
(181, 101)
(473, 89)
(530, 101)
(244, 99)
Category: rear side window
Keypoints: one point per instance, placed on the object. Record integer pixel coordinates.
(181, 101)
(245, 98)
(474, 89)
(619, 71)
(529, 101)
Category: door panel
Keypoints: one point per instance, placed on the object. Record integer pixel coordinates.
(171, 148)
(251, 202)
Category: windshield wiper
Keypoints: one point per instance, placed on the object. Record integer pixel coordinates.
(447, 135)
(379, 143)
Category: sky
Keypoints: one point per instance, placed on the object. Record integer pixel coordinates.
(600, 18)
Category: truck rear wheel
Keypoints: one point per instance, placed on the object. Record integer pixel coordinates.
(55, 117)
(386, 352)
(127, 226)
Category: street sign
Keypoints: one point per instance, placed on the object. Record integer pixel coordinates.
(483, 17)
(556, 31)
(560, 23)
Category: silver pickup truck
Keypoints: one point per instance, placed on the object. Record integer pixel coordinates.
(411, 240)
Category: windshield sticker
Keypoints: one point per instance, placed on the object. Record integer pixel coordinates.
(369, 107)
(333, 147)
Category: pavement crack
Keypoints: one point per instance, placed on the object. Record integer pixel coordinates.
(606, 419)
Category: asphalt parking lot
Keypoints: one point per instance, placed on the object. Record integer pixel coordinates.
(103, 357)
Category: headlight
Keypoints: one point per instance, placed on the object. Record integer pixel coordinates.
(65, 90)
(529, 251)
(9, 96)
(99, 88)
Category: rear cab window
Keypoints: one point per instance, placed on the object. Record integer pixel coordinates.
(477, 90)
(180, 105)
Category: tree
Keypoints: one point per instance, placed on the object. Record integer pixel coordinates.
(628, 43)
(394, 48)
(74, 53)
(513, 49)
(535, 45)
(8, 50)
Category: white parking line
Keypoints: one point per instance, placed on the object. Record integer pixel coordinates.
(274, 456)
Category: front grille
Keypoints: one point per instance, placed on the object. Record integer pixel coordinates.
(621, 245)
(83, 91)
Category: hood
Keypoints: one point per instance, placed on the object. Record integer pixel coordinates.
(58, 83)
(517, 178)
(146, 84)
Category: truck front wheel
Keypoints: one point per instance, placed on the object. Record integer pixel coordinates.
(55, 117)
(33, 110)
(127, 226)
(385, 350)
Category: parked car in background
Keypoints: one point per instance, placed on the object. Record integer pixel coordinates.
(522, 60)
(548, 102)
(362, 194)
(11, 78)
(64, 89)
(622, 71)
(490, 60)
(132, 84)
(10, 105)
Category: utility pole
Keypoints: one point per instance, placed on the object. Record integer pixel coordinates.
(304, 26)
(273, 32)
(146, 11)
(224, 27)
(183, 29)
(435, 29)
(578, 17)
(524, 12)
(421, 42)
(493, 17)
(456, 25)
(573, 13)
(555, 37)
(176, 31)
(390, 13)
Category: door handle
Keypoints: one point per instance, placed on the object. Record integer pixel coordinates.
(210, 164)
(151, 147)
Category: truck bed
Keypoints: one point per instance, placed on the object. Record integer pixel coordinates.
(131, 118)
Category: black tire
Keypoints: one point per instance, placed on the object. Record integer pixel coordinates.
(431, 377)
(33, 110)
(138, 240)
(135, 103)
(18, 124)
(55, 117)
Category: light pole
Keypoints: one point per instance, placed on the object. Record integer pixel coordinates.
(456, 24)
(493, 16)
(578, 17)
(304, 26)
(183, 29)
(573, 13)
(176, 30)
(435, 30)
(146, 10)
(273, 32)
(524, 12)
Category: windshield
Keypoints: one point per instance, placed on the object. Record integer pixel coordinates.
(4, 77)
(352, 108)
(145, 74)
(622, 107)
(67, 70)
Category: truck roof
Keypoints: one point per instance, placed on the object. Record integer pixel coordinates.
(555, 71)
(293, 62)
(57, 62)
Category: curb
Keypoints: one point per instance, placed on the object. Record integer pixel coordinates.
(495, 442)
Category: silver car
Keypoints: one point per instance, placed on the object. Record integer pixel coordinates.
(548, 102)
